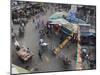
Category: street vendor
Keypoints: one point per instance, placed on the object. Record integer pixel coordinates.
(57, 28)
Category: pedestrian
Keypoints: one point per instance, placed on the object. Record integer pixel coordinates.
(13, 35)
(36, 27)
(28, 50)
(48, 30)
(33, 20)
(42, 34)
(40, 54)
(17, 45)
(12, 29)
(38, 24)
(42, 24)
(21, 30)
(41, 41)
(22, 24)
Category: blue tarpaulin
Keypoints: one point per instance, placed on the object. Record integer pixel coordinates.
(66, 31)
(87, 34)
(72, 17)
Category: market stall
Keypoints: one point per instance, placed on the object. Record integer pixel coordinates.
(61, 25)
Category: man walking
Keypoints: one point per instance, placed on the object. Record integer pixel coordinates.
(40, 54)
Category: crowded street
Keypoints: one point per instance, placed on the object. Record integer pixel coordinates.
(48, 49)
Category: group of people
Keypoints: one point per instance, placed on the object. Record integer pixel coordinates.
(21, 31)
(39, 22)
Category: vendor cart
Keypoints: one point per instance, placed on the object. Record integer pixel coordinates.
(24, 54)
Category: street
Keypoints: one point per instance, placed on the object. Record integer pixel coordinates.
(48, 61)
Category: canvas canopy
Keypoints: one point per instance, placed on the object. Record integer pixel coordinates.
(58, 15)
(57, 18)
(63, 23)
(16, 69)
